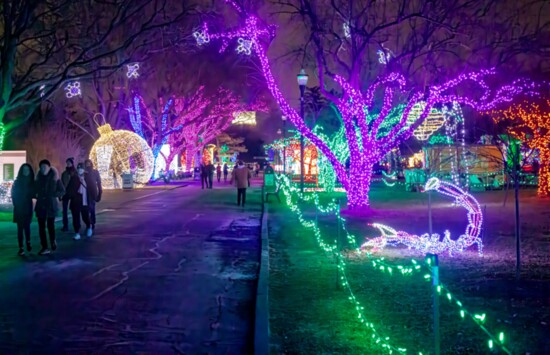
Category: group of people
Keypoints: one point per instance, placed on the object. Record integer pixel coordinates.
(207, 174)
(78, 188)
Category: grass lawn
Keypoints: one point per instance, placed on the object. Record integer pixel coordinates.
(6, 216)
(310, 314)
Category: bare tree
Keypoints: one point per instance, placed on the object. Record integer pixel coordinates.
(47, 43)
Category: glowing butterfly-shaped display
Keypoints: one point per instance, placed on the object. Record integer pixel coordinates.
(434, 121)
(244, 118)
(132, 71)
(245, 46)
(73, 89)
(201, 37)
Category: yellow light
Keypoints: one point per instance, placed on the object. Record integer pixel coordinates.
(432, 123)
(119, 152)
(244, 118)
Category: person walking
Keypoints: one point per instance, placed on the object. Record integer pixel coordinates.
(204, 175)
(210, 168)
(48, 188)
(93, 180)
(219, 172)
(241, 175)
(80, 197)
(225, 172)
(65, 178)
(22, 193)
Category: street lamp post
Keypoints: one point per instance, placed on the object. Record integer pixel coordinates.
(284, 145)
(302, 82)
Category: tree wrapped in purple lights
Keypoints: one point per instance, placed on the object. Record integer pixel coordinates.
(365, 110)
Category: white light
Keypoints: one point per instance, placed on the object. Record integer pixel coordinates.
(132, 71)
(383, 58)
(245, 46)
(73, 89)
(302, 78)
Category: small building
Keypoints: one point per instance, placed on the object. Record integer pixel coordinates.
(10, 162)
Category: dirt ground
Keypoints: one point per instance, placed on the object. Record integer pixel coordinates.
(311, 314)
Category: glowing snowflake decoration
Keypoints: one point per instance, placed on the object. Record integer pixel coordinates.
(347, 31)
(73, 89)
(132, 71)
(245, 46)
(201, 37)
(383, 57)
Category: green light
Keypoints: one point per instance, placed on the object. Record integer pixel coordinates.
(490, 344)
(501, 337)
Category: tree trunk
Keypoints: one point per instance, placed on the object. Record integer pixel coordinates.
(518, 236)
(544, 173)
(358, 185)
(189, 154)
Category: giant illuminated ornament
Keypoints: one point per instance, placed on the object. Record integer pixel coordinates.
(357, 105)
(434, 243)
(119, 152)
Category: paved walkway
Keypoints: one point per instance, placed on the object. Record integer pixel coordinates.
(172, 272)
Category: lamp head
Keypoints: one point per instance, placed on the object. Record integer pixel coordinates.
(302, 78)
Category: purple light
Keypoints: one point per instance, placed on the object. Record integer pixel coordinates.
(367, 149)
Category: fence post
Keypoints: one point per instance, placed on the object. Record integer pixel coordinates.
(434, 262)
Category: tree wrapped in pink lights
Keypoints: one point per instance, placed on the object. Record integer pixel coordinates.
(364, 109)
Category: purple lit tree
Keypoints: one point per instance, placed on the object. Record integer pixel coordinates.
(370, 129)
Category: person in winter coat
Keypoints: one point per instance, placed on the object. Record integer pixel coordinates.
(80, 196)
(210, 168)
(241, 175)
(204, 175)
(94, 186)
(225, 172)
(65, 178)
(22, 193)
(48, 189)
(219, 172)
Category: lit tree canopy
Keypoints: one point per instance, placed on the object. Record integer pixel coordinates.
(530, 123)
(363, 107)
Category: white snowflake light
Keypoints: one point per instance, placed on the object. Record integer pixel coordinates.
(245, 46)
(347, 31)
(132, 71)
(383, 57)
(73, 89)
(201, 37)
(42, 87)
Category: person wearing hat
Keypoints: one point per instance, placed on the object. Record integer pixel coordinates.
(69, 172)
(93, 179)
(48, 189)
(79, 194)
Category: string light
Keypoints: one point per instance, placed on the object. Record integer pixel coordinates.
(367, 149)
(433, 122)
(73, 89)
(132, 71)
(121, 152)
(5, 192)
(530, 123)
(244, 118)
(427, 243)
(379, 264)
(383, 57)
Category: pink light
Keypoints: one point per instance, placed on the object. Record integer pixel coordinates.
(367, 149)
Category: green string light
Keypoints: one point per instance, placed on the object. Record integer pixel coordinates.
(293, 195)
